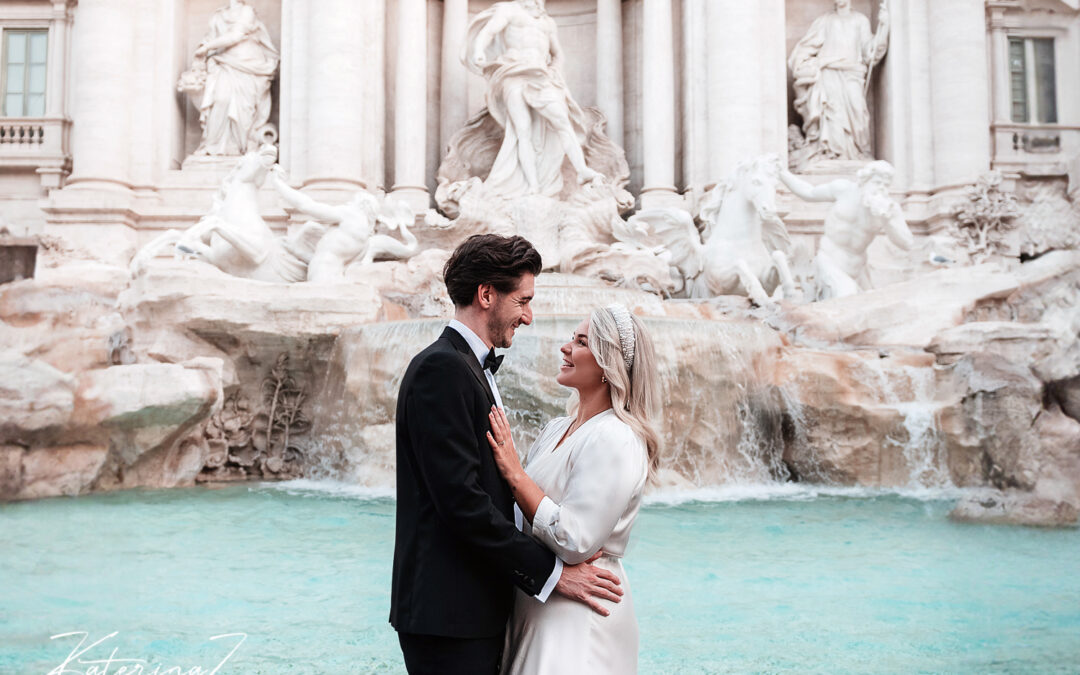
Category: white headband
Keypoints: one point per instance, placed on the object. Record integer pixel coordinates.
(625, 325)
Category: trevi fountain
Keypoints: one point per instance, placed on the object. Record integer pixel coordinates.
(853, 228)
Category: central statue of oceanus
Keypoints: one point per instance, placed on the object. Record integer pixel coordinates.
(535, 163)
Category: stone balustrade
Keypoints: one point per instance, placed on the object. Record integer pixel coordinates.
(1035, 149)
(41, 143)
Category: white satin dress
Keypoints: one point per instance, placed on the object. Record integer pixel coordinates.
(593, 484)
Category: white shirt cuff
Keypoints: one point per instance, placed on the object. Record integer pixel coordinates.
(545, 592)
(547, 512)
(519, 519)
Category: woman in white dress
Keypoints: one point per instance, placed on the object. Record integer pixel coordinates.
(580, 493)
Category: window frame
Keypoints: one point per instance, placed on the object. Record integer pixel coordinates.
(1028, 34)
(5, 33)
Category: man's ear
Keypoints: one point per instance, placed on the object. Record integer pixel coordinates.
(485, 296)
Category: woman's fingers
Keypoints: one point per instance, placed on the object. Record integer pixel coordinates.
(492, 442)
(495, 428)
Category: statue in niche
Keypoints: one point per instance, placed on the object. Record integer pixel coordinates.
(352, 236)
(234, 237)
(742, 247)
(831, 66)
(535, 163)
(515, 47)
(229, 82)
(862, 209)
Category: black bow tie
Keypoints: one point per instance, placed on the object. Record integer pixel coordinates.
(492, 362)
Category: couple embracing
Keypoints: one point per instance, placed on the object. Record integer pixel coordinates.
(500, 568)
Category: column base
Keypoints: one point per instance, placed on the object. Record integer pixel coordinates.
(416, 197)
(661, 197)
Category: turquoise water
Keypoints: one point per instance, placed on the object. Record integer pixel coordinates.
(798, 582)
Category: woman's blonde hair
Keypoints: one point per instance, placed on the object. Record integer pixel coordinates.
(634, 388)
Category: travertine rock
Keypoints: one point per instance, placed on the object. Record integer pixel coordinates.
(66, 316)
(988, 427)
(415, 285)
(146, 410)
(861, 418)
(10, 469)
(222, 309)
(59, 471)
(905, 314)
(1013, 508)
(35, 398)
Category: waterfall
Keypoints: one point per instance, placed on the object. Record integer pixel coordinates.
(720, 421)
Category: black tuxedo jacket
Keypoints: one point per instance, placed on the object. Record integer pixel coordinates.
(456, 549)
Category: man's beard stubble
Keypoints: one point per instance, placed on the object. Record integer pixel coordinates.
(500, 331)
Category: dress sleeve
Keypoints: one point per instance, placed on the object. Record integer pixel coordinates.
(606, 473)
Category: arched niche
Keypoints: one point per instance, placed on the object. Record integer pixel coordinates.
(193, 28)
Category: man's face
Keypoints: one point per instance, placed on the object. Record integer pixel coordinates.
(878, 182)
(510, 310)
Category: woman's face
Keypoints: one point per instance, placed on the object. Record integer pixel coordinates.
(579, 367)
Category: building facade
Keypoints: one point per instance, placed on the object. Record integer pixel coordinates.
(97, 143)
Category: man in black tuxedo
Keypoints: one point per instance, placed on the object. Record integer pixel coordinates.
(457, 552)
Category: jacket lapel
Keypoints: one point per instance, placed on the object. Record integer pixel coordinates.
(467, 355)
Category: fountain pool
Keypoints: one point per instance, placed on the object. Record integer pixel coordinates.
(764, 579)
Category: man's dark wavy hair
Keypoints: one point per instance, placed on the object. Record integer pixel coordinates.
(488, 259)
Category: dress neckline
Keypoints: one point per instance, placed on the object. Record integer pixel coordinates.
(563, 439)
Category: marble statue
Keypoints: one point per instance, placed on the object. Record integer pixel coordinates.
(831, 66)
(743, 247)
(514, 45)
(352, 235)
(862, 209)
(533, 162)
(229, 81)
(234, 237)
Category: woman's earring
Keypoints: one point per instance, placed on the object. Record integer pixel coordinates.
(603, 379)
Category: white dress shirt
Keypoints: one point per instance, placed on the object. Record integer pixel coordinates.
(481, 350)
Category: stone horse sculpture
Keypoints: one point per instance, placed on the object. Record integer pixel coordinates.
(743, 246)
(234, 237)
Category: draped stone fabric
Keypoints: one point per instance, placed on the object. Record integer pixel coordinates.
(509, 69)
(830, 65)
(236, 103)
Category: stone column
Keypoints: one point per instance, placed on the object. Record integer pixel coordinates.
(999, 60)
(959, 91)
(410, 105)
(52, 173)
(658, 106)
(906, 126)
(337, 84)
(746, 82)
(695, 141)
(454, 100)
(102, 65)
(55, 97)
(609, 66)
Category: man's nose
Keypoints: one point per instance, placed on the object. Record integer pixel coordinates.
(526, 316)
